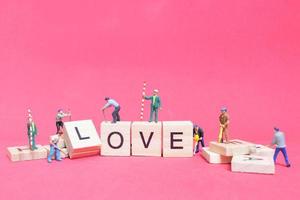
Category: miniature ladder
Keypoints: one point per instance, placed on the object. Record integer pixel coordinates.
(143, 101)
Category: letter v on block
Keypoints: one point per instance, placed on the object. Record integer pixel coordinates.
(146, 139)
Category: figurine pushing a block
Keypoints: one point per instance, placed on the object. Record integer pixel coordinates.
(198, 135)
(115, 113)
(224, 122)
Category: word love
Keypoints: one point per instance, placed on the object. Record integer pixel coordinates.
(167, 139)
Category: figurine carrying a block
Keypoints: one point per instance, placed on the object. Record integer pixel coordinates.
(54, 149)
(224, 122)
(59, 120)
(198, 135)
(279, 141)
(31, 131)
(115, 113)
(155, 104)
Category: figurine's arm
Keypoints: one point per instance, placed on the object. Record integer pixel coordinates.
(106, 106)
(159, 103)
(147, 97)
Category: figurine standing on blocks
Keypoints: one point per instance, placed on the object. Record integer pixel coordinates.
(155, 104)
(54, 148)
(115, 113)
(31, 131)
(279, 141)
(198, 135)
(59, 117)
(224, 122)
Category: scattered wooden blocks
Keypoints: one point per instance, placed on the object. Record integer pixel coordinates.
(178, 139)
(63, 154)
(215, 158)
(115, 138)
(260, 150)
(146, 139)
(81, 138)
(252, 164)
(234, 147)
(22, 153)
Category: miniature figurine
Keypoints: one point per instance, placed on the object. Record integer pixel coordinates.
(54, 148)
(59, 123)
(224, 122)
(279, 141)
(198, 135)
(115, 113)
(155, 104)
(31, 131)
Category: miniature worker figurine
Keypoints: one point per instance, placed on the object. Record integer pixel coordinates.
(155, 104)
(59, 123)
(31, 132)
(198, 135)
(115, 113)
(279, 141)
(54, 148)
(224, 122)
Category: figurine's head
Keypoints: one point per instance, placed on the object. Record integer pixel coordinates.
(223, 110)
(276, 129)
(155, 92)
(106, 98)
(60, 110)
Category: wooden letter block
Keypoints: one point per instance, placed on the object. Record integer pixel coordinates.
(63, 154)
(215, 158)
(260, 150)
(146, 139)
(115, 138)
(22, 153)
(81, 138)
(178, 139)
(252, 164)
(233, 148)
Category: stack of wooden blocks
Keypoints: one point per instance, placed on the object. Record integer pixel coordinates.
(243, 156)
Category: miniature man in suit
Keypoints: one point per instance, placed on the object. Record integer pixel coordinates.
(116, 105)
(279, 141)
(59, 120)
(155, 104)
(31, 132)
(198, 134)
(224, 122)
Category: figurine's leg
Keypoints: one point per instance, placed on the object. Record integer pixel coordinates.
(283, 150)
(114, 115)
(156, 115)
(276, 154)
(33, 143)
(220, 137)
(202, 142)
(57, 127)
(225, 134)
(51, 153)
(151, 114)
(118, 115)
(57, 155)
(197, 147)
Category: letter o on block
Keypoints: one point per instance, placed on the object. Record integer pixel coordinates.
(177, 139)
(115, 138)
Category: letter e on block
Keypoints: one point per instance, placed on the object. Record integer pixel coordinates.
(178, 139)
(146, 139)
(115, 138)
(81, 138)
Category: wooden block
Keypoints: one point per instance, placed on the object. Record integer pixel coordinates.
(81, 137)
(260, 150)
(22, 153)
(115, 138)
(178, 139)
(65, 153)
(146, 138)
(252, 164)
(233, 148)
(215, 158)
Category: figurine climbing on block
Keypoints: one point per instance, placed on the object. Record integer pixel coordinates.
(224, 122)
(279, 141)
(59, 120)
(155, 105)
(54, 139)
(31, 131)
(198, 135)
(116, 105)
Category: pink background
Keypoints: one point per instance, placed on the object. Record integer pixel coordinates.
(201, 54)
